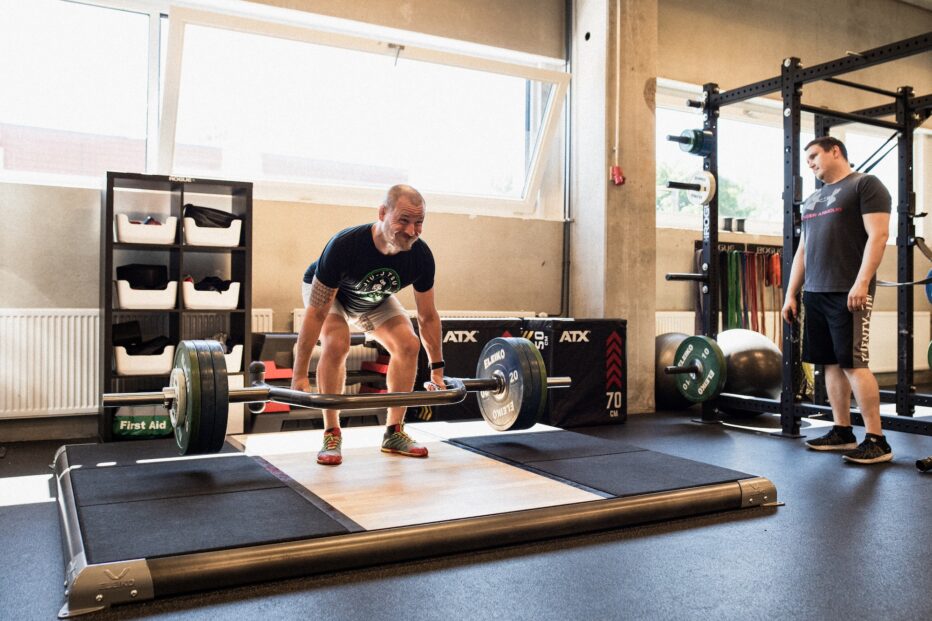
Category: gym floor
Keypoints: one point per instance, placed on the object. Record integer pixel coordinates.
(850, 542)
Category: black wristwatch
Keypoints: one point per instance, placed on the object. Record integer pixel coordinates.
(437, 365)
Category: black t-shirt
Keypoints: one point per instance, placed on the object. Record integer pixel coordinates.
(363, 276)
(833, 230)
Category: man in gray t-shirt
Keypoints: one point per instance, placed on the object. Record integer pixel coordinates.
(845, 230)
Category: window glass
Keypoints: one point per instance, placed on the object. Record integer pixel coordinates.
(74, 80)
(271, 109)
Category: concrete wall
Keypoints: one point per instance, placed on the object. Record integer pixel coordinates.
(533, 26)
(50, 243)
(738, 43)
(482, 263)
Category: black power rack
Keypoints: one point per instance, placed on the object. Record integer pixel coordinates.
(909, 112)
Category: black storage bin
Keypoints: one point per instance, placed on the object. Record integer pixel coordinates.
(593, 352)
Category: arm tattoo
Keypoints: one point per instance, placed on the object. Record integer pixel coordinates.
(321, 294)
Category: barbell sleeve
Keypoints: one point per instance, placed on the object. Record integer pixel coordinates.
(494, 385)
(136, 398)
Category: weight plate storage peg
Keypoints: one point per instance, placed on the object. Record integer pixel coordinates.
(706, 192)
(696, 141)
(516, 406)
(705, 377)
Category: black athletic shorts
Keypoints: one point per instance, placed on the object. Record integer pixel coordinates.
(834, 335)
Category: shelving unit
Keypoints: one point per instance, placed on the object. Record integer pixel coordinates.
(164, 197)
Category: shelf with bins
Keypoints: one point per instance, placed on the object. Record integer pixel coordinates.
(176, 248)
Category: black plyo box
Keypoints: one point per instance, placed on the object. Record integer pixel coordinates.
(463, 341)
(593, 353)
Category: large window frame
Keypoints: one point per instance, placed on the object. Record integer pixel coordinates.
(527, 205)
(165, 47)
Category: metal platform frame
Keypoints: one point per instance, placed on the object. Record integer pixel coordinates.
(93, 587)
(909, 112)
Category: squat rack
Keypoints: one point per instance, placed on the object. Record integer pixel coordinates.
(910, 112)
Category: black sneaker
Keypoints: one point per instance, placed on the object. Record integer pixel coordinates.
(873, 450)
(838, 439)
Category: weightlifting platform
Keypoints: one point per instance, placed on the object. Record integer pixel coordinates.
(139, 522)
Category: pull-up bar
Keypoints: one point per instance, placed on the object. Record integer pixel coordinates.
(854, 62)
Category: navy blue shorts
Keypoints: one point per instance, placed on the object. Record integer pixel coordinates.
(834, 335)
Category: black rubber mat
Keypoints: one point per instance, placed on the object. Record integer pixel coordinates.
(184, 505)
(234, 472)
(124, 453)
(614, 468)
(544, 445)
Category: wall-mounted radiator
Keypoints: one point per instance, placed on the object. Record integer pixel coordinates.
(49, 360)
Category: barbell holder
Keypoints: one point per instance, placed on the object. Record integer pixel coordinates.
(674, 370)
(688, 276)
(679, 139)
(681, 185)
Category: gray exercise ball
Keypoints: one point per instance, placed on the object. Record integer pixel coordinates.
(666, 395)
(754, 364)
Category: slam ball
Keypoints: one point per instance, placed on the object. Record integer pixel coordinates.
(754, 364)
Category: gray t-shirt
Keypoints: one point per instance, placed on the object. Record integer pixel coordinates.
(833, 230)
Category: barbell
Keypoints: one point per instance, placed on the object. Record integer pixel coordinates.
(511, 384)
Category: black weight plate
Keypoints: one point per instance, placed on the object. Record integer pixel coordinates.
(536, 404)
(221, 397)
(186, 360)
(501, 357)
(202, 425)
(709, 382)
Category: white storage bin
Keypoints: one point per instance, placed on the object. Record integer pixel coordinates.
(234, 359)
(130, 233)
(208, 236)
(160, 299)
(209, 300)
(156, 364)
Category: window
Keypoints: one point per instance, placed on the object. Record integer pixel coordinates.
(75, 90)
(340, 115)
(308, 107)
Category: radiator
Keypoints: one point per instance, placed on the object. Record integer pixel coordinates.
(49, 359)
(48, 362)
(882, 341)
(262, 320)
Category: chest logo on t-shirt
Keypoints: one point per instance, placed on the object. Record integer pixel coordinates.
(813, 201)
(378, 284)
